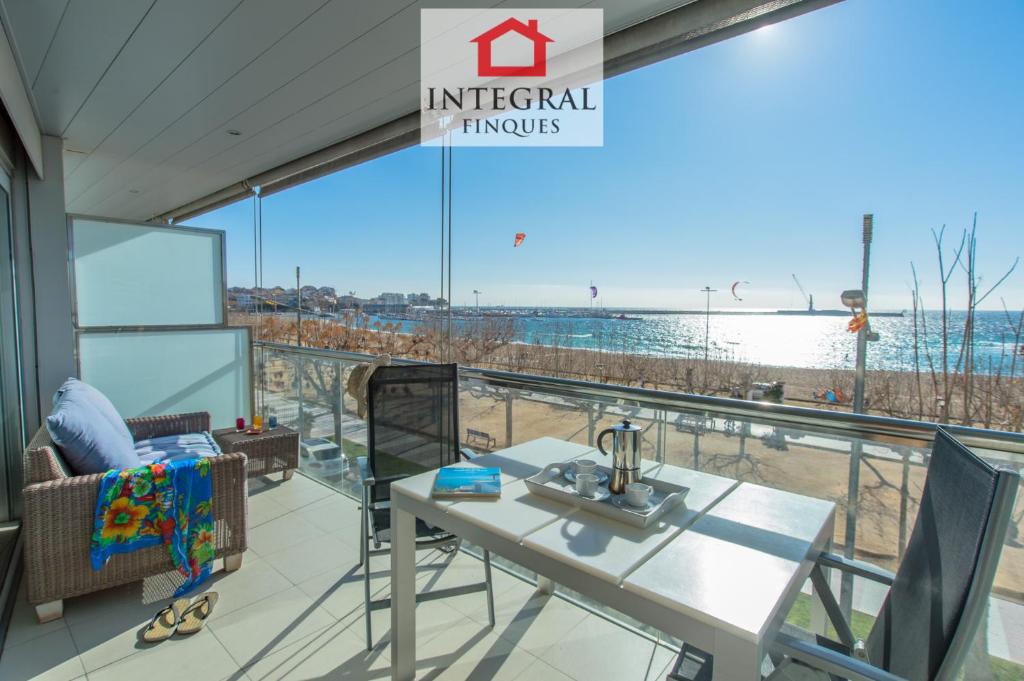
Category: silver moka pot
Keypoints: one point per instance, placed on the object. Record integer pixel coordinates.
(626, 439)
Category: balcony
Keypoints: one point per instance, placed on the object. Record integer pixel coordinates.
(295, 609)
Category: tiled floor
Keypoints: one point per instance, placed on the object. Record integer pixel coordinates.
(295, 611)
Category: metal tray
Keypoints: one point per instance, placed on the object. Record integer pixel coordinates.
(551, 483)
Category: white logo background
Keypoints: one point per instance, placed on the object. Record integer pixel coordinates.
(486, 118)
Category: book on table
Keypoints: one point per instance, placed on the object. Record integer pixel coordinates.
(467, 482)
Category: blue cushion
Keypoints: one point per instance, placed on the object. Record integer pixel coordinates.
(90, 434)
(176, 447)
(99, 400)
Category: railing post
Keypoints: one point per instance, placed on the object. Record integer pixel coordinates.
(591, 424)
(339, 408)
(904, 500)
(508, 418)
(696, 445)
(850, 538)
(299, 375)
(659, 453)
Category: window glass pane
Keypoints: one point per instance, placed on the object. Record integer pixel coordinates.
(171, 372)
(140, 275)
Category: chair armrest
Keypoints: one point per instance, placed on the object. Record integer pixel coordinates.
(856, 567)
(144, 427)
(468, 454)
(830, 661)
(366, 477)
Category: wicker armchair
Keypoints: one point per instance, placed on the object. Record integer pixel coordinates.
(59, 508)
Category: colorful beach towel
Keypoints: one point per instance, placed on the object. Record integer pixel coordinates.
(162, 503)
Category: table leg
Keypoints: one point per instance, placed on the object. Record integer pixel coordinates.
(403, 592)
(736, 659)
(545, 585)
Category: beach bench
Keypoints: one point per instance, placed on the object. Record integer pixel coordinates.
(480, 438)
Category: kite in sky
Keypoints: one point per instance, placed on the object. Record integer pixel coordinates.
(520, 237)
(733, 288)
(593, 291)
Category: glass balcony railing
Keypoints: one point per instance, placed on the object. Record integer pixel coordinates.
(873, 468)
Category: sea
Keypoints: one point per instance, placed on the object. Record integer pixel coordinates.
(808, 341)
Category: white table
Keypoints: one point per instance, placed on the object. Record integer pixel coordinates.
(720, 572)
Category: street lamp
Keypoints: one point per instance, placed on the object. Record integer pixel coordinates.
(707, 318)
(477, 294)
(856, 299)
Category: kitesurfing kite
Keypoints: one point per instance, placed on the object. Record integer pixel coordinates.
(520, 237)
(733, 288)
(593, 291)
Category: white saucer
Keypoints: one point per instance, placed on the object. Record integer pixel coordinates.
(602, 494)
(620, 501)
(602, 477)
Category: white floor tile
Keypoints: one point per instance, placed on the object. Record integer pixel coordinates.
(263, 509)
(123, 602)
(257, 579)
(333, 653)
(342, 594)
(469, 650)
(536, 623)
(270, 625)
(296, 493)
(598, 649)
(542, 671)
(336, 513)
(315, 556)
(199, 656)
(281, 533)
(24, 626)
(51, 657)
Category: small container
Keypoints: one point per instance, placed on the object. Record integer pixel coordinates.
(257, 422)
(272, 421)
(240, 423)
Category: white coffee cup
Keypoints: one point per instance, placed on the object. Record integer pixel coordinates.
(586, 484)
(584, 466)
(638, 494)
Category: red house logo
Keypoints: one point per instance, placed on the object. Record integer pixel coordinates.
(484, 66)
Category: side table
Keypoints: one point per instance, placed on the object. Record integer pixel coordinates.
(269, 452)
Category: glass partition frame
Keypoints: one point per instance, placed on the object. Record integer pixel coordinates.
(73, 281)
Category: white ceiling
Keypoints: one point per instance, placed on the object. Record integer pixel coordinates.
(144, 91)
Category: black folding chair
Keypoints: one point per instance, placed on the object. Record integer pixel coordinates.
(413, 415)
(937, 597)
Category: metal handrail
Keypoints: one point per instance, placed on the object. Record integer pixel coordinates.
(885, 429)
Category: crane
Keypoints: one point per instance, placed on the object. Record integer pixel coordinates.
(809, 299)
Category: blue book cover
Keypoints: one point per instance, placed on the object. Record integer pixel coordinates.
(467, 482)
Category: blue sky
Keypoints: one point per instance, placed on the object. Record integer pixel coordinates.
(751, 159)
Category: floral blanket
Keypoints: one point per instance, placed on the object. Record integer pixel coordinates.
(162, 503)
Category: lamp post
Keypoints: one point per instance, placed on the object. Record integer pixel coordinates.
(707, 290)
(854, 299)
(477, 294)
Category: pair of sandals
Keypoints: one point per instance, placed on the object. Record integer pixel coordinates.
(180, 617)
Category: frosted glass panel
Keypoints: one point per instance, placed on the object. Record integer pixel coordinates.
(168, 372)
(141, 275)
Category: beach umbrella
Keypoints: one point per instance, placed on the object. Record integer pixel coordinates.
(520, 237)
